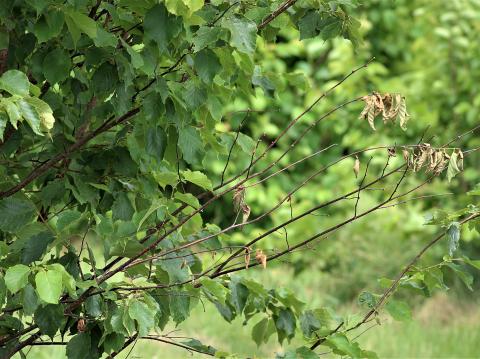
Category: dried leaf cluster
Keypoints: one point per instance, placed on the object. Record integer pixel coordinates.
(433, 160)
(390, 106)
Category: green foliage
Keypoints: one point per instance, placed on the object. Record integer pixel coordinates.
(133, 97)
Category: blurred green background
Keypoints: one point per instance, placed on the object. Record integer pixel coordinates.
(427, 50)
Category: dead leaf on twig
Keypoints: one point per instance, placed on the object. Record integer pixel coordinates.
(261, 258)
(356, 166)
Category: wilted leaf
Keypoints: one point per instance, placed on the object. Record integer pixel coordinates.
(356, 166)
(261, 258)
(453, 234)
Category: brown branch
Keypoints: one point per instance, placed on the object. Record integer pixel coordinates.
(125, 346)
(38, 171)
(395, 284)
(284, 7)
(232, 146)
(300, 116)
(320, 234)
(176, 344)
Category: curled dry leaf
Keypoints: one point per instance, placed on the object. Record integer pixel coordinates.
(392, 152)
(238, 198)
(81, 325)
(460, 160)
(261, 258)
(356, 166)
(247, 257)
(391, 106)
(406, 156)
(245, 212)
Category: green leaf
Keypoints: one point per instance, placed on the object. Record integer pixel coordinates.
(309, 323)
(67, 219)
(126, 247)
(49, 285)
(156, 142)
(243, 33)
(160, 26)
(49, 319)
(44, 111)
(49, 25)
(259, 330)
(143, 315)
(177, 271)
(207, 65)
(453, 234)
(262, 331)
(30, 114)
(205, 36)
(191, 145)
(184, 8)
(75, 32)
(3, 123)
(474, 263)
(198, 178)
(179, 306)
(399, 310)
(85, 24)
(135, 57)
(165, 178)
(367, 299)
(56, 66)
(67, 279)
(36, 247)
(105, 39)
(188, 198)
(452, 169)
(128, 322)
(93, 306)
(12, 110)
(113, 342)
(3, 291)
(308, 25)
(214, 288)
(239, 294)
(195, 95)
(285, 323)
(433, 278)
(343, 346)
(15, 213)
(15, 82)
(330, 28)
(116, 321)
(462, 273)
(79, 347)
(30, 300)
(16, 277)
(300, 353)
(122, 207)
(105, 79)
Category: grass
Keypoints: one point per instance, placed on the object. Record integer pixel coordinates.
(441, 329)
